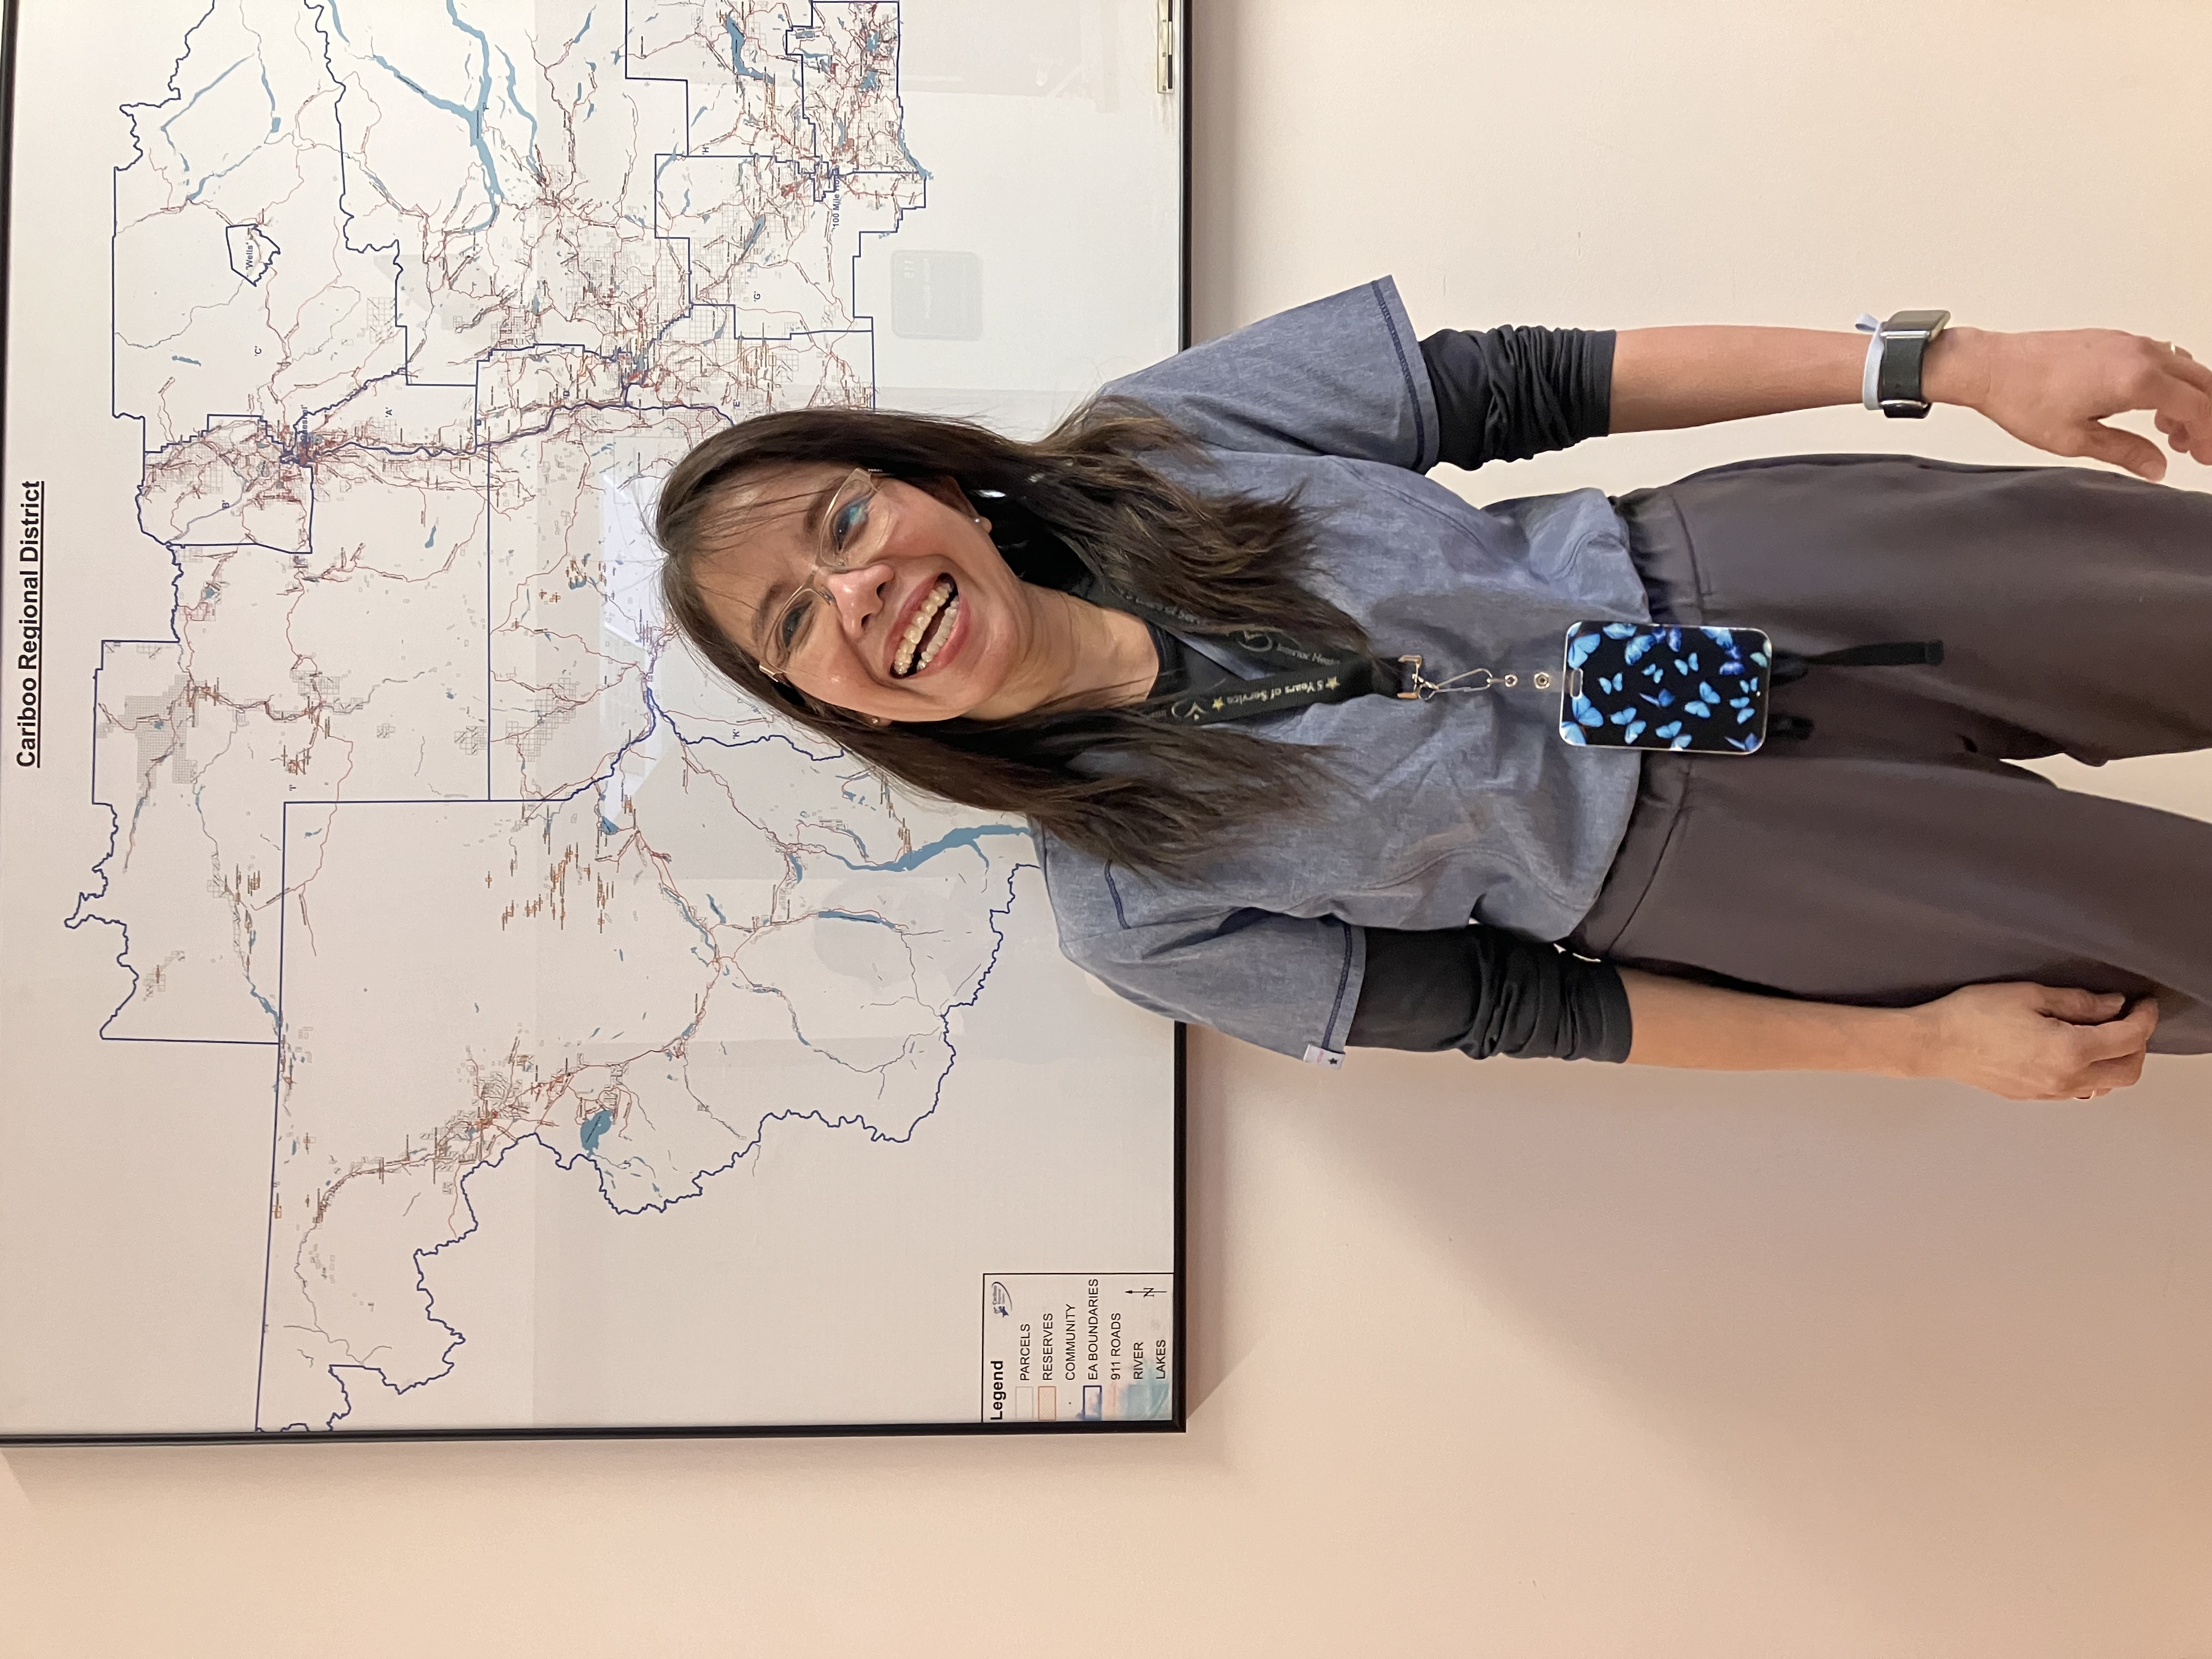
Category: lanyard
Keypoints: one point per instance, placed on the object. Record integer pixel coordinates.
(1337, 681)
(1301, 677)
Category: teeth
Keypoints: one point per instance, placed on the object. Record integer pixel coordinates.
(951, 620)
(902, 661)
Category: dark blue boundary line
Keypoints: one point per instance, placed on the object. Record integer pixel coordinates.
(699, 1178)
(627, 377)
(823, 180)
(80, 914)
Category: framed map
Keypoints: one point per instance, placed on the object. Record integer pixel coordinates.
(434, 1003)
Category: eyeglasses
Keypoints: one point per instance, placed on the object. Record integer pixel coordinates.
(842, 524)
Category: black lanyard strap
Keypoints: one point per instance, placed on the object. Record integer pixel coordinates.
(1301, 677)
(1339, 681)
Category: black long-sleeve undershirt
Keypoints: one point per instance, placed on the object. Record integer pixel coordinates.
(1486, 992)
(1508, 392)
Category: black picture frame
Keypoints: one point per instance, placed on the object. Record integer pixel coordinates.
(1177, 17)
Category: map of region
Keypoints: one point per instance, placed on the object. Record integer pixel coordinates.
(414, 301)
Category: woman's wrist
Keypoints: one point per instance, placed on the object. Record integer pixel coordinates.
(1907, 1041)
(1899, 1042)
(1956, 367)
(1680, 1022)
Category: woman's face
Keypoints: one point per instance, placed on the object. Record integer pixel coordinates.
(925, 621)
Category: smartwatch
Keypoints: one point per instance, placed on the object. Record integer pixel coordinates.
(1895, 357)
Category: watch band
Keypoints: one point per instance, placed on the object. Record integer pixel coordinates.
(1895, 358)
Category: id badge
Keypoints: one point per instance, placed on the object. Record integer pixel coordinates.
(1650, 685)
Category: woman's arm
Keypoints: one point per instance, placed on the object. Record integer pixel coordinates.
(2023, 1042)
(1693, 376)
(2053, 389)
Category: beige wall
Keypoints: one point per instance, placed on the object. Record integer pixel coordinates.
(1524, 1360)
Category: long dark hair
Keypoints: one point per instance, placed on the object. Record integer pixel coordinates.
(1149, 795)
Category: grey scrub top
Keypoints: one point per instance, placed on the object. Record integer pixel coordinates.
(1466, 807)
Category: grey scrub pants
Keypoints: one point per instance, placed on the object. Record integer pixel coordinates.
(1896, 854)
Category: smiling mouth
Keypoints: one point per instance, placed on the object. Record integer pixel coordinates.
(927, 634)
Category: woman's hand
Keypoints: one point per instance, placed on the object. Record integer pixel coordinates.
(2036, 1042)
(2022, 1041)
(2054, 389)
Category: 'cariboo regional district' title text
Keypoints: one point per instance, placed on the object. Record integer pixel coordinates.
(30, 612)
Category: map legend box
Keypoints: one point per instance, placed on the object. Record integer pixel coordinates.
(1079, 1348)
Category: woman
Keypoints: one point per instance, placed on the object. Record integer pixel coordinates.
(1024, 627)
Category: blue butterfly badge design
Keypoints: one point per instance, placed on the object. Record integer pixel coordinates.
(1645, 685)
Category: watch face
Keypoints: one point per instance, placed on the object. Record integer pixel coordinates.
(1916, 322)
